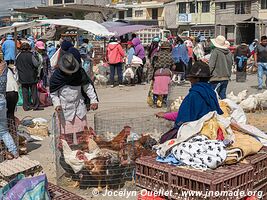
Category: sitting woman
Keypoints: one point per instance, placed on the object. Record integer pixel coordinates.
(200, 100)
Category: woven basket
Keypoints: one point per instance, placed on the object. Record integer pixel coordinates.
(39, 130)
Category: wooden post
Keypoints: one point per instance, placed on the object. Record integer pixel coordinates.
(16, 39)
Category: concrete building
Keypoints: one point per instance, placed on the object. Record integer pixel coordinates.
(91, 2)
(238, 20)
(185, 15)
(142, 12)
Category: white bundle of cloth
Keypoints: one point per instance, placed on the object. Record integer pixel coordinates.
(201, 153)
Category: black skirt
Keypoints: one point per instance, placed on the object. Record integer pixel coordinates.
(180, 67)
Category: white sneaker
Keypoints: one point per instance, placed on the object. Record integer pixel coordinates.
(121, 85)
(112, 86)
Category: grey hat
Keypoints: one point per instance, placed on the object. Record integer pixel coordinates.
(68, 63)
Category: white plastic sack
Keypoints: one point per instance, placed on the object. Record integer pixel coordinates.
(40, 121)
(137, 61)
(128, 72)
(238, 113)
(54, 59)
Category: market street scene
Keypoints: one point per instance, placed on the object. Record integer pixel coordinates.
(139, 100)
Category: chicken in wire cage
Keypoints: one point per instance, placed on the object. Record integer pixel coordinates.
(92, 160)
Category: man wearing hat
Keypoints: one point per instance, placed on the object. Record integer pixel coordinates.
(200, 100)
(221, 61)
(9, 49)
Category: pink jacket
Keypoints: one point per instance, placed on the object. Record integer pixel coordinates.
(161, 85)
(115, 53)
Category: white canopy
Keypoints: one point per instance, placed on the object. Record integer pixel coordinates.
(19, 25)
(87, 25)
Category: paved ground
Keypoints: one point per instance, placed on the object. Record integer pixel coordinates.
(114, 98)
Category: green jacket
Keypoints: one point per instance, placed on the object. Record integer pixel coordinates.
(221, 61)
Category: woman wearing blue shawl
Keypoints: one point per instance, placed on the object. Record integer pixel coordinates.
(200, 100)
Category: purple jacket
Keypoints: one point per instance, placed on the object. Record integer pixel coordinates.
(138, 47)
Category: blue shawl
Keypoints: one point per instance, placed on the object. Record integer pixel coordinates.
(201, 100)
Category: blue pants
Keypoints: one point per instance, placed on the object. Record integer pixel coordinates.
(221, 90)
(4, 134)
(262, 69)
(114, 67)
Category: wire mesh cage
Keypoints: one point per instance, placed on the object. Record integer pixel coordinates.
(100, 161)
(9, 126)
(140, 119)
(176, 91)
(79, 165)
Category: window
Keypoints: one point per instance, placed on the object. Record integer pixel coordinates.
(242, 7)
(129, 12)
(121, 14)
(263, 4)
(154, 13)
(192, 7)
(139, 13)
(57, 1)
(182, 8)
(69, 1)
(205, 6)
(223, 5)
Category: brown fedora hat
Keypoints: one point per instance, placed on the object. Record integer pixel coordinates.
(200, 70)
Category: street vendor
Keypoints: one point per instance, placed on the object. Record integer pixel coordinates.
(201, 99)
(70, 89)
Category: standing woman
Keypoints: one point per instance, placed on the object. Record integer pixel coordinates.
(152, 56)
(12, 95)
(45, 71)
(115, 55)
(69, 88)
(27, 66)
(8, 49)
(4, 134)
(242, 55)
(139, 52)
(180, 58)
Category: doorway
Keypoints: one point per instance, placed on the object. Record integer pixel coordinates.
(245, 32)
(154, 13)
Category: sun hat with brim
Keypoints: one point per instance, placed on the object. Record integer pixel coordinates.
(199, 70)
(68, 64)
(219, 42)
(40, 45)
(165, 45)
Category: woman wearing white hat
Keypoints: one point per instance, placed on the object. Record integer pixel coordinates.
(220, 63)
